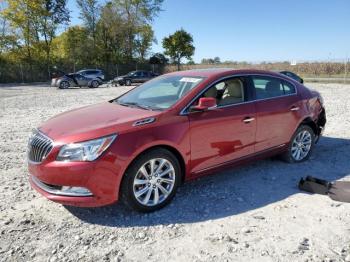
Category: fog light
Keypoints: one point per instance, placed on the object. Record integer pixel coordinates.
(75, 191)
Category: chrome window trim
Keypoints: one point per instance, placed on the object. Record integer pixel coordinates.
(185, 112)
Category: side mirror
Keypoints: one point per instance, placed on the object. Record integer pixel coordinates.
(205, 103)
(301, 80)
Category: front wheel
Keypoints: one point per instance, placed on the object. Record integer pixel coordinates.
(300, 146)
(151, 181)
(128, 82)
(64, 85)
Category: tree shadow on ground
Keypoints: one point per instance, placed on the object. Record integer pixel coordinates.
(233, 191)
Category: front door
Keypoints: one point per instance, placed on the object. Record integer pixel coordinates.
(82, 80)
(226, 133)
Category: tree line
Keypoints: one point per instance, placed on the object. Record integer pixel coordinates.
(35, 37)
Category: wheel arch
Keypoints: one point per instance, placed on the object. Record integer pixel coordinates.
(311, 123)
(90, 82)
(171, 149)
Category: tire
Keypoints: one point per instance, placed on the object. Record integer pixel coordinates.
(128, 82)
(94, 84)
(64, 85)
(139, 193)
(305, 145)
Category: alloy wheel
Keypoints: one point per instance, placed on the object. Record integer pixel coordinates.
(301, 145)
(64, 84)
(154, 182)
(94, 84)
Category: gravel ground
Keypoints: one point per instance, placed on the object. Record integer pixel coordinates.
(252, 213)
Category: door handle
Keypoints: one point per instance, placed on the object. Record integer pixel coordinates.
(294, 108)
(248, 119)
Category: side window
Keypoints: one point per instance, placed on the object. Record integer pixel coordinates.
(228, 92)
(288, 88)
(267, 87)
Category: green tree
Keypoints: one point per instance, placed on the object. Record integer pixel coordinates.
(136, 13)
(72, 47)
(158, 59)
(144, 40)
(110, 35)
(217, 60)
(89, 13)
(178, 46)
(20, 16)
(190, 62)
(8, 38)
(52, 14)
(36, 22)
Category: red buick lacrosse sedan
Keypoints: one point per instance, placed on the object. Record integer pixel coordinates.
(142, 145)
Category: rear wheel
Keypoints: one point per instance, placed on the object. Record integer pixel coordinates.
(94, 84)
(64, 85)
(301, 145)
(151, 181)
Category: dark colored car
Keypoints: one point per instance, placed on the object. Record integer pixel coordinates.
(89, 77)
(293, 76)
(134, 77)
(142, 145)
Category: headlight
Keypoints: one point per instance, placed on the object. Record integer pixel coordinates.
(85, 151)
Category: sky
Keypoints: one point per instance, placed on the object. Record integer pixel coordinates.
(256, 30)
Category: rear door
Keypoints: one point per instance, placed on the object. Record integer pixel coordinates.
(226, 133)
(277, 107)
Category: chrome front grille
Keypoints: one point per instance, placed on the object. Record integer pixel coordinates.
(39, 146)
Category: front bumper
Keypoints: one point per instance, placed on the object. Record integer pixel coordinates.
(81, 201)
(100, 178)
(62, 190)
(54, 82)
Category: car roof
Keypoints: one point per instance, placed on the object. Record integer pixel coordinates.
(212, 72)
(89, 70)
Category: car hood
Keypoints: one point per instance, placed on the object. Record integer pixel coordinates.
(93, 121)
(120, 77)
(66, 76)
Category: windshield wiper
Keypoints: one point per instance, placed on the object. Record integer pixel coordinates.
(134, 104)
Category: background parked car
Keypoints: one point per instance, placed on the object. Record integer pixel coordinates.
(92, 73)
(88, 77)
(293, 76)
(139, 76)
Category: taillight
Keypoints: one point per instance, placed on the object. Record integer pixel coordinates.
(320, 98)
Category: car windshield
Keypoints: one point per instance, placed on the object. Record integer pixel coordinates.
(160, 93)
(131, 73)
